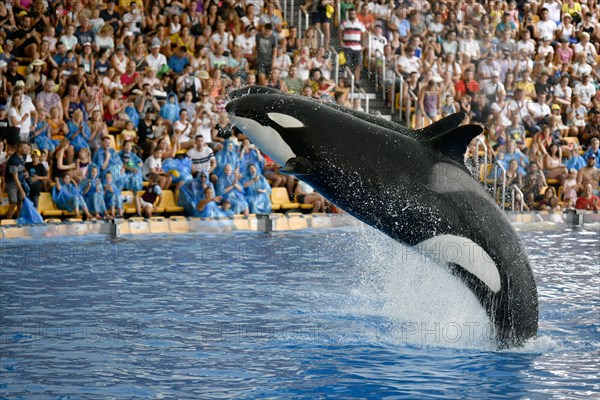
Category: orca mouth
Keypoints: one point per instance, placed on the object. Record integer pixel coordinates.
(267, 139)
(299, 166)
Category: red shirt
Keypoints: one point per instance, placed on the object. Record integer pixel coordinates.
(593, 203)
(462, 87)
(128, 79)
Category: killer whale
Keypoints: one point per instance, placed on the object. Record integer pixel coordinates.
(450, 122)
(418, 192)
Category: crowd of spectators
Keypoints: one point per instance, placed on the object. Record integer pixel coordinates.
(98, 97)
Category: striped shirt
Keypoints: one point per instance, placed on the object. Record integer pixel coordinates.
(352, 34)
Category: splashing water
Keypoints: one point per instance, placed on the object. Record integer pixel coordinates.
(406, 298)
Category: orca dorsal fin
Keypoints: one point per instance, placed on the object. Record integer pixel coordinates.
(443, 125)
(453, 143)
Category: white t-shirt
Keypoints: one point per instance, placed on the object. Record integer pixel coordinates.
(157, 61)
(201, 159)
(546, 29)
(553, 10)
(24, 126)
(151, 163)
(585, 91)
(246, 44)
(178, 126)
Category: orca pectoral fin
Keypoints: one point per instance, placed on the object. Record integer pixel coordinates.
(298, 166)
(443, 125)
(454, 143)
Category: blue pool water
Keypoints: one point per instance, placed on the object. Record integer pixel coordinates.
(344, 313)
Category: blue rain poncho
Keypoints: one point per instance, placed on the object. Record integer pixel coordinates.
(93, 192)
(113, 196)
(79, 140)
(29, 215)
(228, 155)
(114, 163)
(179, 168)
(131, 180)
(191, 192)
(43, 140)
(211, 210)
(227, 188)
(257, 193)
(170, 110)
(68, 198)
(250, 157)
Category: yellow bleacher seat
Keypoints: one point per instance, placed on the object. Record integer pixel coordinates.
(3, 204)
(8, 222)
(485, 172)
(113, 143)
(528, 142)
(168, 203)
(560, 194)
(279, 196)
(553, 182)
(22, 69)
(572, 139)
(128, 202)
(46, 206)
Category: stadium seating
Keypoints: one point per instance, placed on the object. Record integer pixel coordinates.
(281, 201)
(46, 206)
(168, 203)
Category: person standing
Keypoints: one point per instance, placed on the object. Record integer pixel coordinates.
(351, 35)
(266, 50)
(16, 187)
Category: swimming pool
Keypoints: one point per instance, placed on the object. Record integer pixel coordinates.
(330, 313)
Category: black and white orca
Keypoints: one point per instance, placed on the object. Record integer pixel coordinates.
(414, 188)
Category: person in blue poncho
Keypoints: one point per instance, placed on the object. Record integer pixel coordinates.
(191, 192)
(107, 159)
(79, 131)
(208, 207)
(226, 209)
(132, 178)
(230, 189)
(180, 168)
(228, 155)
(257, 191)
(170, 110)
(512, 153)
(250, 155)
(41, 133)
(112, 197)
(575, 161)
(93, 191)
(67, 196)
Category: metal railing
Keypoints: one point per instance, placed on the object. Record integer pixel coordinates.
(514, 189)
(363, 95)
(321, 36)
(411, 96)
(398, 76)
(348, 72)
(478, 143)
(303, 13)
(497, 165)
(383, 93)
(337, 68)
(285, 10)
